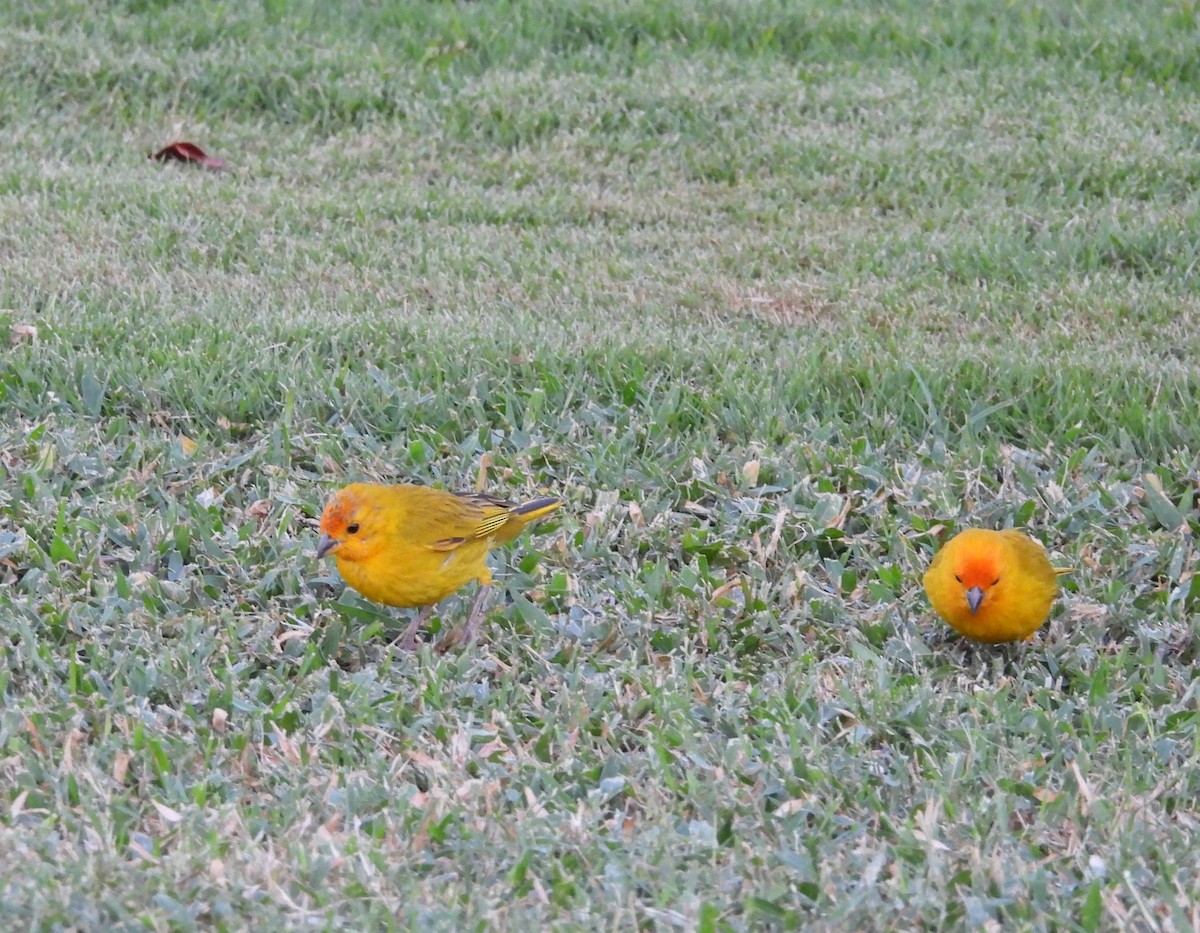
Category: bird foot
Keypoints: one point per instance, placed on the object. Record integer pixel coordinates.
(465, 635)
(408, 640)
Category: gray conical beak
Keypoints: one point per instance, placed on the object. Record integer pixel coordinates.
(974, 597)
(327, 544)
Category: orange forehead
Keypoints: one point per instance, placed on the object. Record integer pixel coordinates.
(977, 561)
(980, 570)
(338, 513)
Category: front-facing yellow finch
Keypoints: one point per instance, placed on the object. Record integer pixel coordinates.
(993, 586)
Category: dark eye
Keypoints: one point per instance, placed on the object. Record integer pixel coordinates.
(352, 529)
(994, 582)
(958, 578)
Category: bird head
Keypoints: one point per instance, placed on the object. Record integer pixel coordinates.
(978, 573)
(349, 526)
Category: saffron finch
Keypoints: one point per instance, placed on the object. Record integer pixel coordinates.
(411, 546)
(993, 586)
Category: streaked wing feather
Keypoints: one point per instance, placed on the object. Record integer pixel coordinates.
(439, 520)
(443, 521)
(484, 501)
(496, 512)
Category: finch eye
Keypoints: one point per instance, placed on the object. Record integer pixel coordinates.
(994, 582)
(958, 578)
(352, 529)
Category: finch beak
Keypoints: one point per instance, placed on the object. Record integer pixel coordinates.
(974, 596)
(327, 544)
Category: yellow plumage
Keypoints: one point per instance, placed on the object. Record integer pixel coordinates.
(409, 545)
(993, 586)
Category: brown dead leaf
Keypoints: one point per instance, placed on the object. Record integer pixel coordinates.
(485, 464)
(725, 589)
(19, 333)
(334, 823)
(790, 806)
(169, 814)
(184, 151)
(288, 747)
(18, 805)
(534, 805)
(68, 758)
(120, 766)
(421, 760)
(35, 737)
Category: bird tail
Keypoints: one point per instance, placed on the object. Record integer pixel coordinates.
(536, 508)
(516, 517)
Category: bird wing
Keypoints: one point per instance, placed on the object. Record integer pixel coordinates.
(1032, 555)
(496, 512)
(444, 521)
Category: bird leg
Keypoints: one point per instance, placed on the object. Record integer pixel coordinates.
(408, 638)
(466, 634)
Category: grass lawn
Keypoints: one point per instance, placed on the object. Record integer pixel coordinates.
(775, 295)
